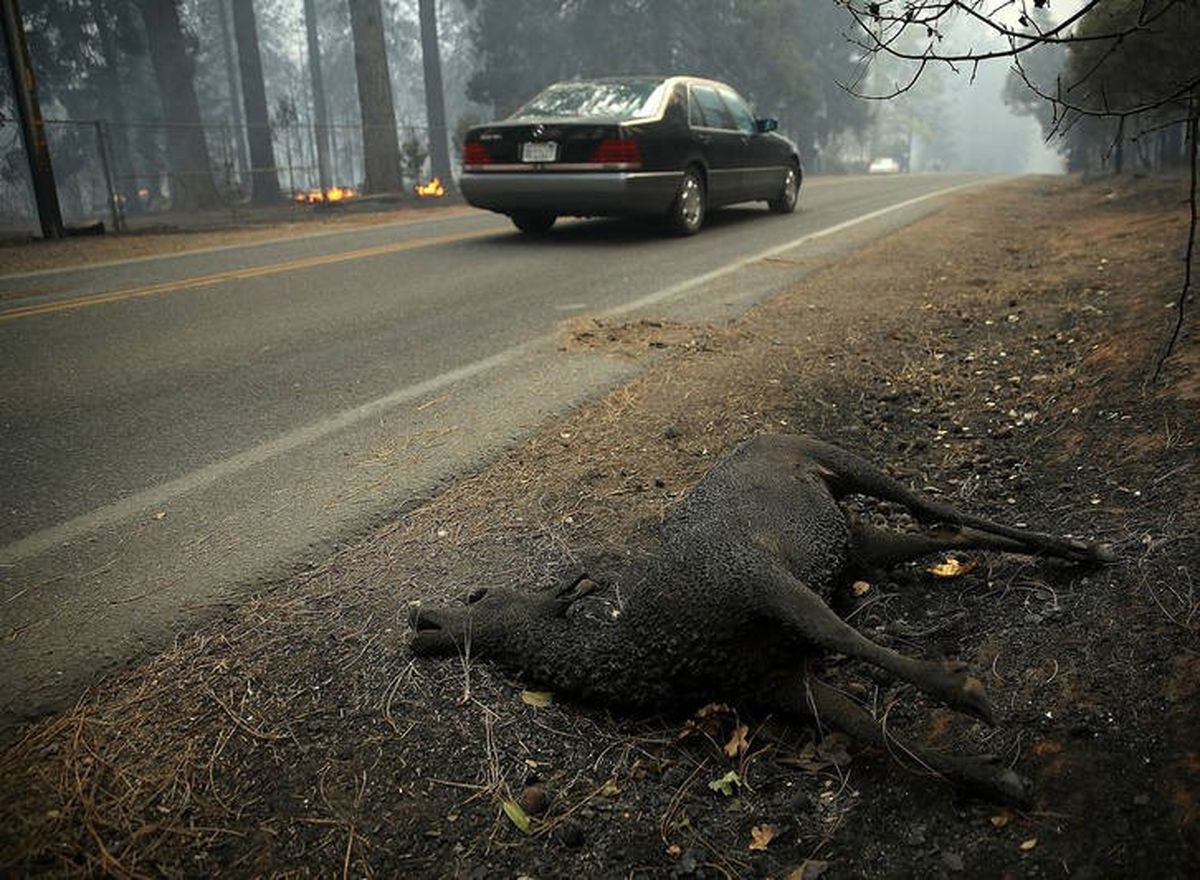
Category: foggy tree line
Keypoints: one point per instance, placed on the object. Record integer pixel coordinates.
(786, 56)
(212, 101)
(1100, 76)
(208, 102)
(1109, 97)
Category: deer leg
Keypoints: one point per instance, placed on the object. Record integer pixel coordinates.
(881, 549)
(801, 612)
(805, 696)
(847, 474)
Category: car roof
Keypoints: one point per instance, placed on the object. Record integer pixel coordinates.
(668, 80)
(645, 77)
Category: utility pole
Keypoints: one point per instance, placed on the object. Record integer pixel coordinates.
(320, 111)
(33, 130)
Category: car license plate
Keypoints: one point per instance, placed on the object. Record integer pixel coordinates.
(544, 151)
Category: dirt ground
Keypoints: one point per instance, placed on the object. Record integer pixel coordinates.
(997, 354)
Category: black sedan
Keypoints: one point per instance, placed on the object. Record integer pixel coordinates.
(669, 147)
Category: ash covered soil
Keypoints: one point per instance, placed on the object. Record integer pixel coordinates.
(997, 354)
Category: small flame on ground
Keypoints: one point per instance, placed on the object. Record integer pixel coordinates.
(330, 196)
(431, 190)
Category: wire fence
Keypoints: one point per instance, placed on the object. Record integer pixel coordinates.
(136, 175)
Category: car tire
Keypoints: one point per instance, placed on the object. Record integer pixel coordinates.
(532, 222)
(687, 210)
(789, 194)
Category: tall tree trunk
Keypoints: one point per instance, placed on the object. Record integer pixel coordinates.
(381, 145)
(264, 185)
(191, 174)
(435, 101)
(320, 108)
(114, 97)
(229, 51)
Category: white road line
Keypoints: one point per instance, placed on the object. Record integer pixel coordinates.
(683, 286)
(156, 496)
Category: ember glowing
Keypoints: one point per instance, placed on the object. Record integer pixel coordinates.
(330, 196)
(431, 190)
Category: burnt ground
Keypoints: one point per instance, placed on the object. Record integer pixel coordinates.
(997, 354)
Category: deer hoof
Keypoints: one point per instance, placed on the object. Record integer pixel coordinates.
(975, 701)
(965, 692)
(988, 777)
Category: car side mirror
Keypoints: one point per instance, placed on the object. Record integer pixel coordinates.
(765, 125)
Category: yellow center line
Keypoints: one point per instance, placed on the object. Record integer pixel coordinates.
(99, 299)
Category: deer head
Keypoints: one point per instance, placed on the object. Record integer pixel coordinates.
(492, 620)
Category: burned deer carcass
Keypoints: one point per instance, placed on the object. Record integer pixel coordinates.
(731, 604)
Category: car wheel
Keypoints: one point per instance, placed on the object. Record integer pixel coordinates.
(532, 222)
(785, 202)
(687, 211)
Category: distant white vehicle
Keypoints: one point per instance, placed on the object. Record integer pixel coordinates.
(884, 165)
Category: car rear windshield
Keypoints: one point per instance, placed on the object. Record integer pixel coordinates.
(627, 99)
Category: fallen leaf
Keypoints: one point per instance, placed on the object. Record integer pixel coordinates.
(1044, 747)
(516, 815)
(610, 789)
(1027, 845)
(537, 699)
(833, 748)
(727, 784)
(952, 568)
(761, 836)
(810, 869)
(707, 720)
(737, 743)
(806, 760)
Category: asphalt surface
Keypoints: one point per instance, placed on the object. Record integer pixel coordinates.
(174, 431)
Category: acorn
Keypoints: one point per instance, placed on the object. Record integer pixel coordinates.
(534, 800)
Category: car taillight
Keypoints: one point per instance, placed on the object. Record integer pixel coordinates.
(475, 153)
(618, 151)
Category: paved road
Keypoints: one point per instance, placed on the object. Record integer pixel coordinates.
(174, 430)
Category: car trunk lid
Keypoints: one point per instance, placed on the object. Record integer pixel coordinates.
(552, 145)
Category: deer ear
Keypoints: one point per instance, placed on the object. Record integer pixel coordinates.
(583, 587)
(573, 591)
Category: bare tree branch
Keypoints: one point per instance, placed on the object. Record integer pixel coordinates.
(882, 27)
(1181, 303)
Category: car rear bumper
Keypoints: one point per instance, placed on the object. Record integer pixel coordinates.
(594, 193)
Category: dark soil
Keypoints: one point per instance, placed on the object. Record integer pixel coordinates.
(997, 354)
